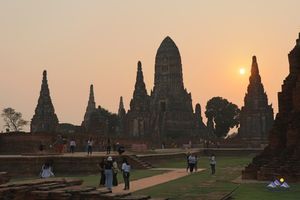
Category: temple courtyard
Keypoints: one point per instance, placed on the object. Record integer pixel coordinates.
(167, 177)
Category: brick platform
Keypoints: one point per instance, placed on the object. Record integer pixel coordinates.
(60, 189)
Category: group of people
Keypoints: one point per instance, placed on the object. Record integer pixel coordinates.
(192, 162)
(60, 145)
(109, 170)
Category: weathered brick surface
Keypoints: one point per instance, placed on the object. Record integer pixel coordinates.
(4, 177)
(60, 189)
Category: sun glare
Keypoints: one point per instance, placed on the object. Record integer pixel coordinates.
(242, 71)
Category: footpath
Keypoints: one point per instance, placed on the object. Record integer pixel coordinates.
(171, 174)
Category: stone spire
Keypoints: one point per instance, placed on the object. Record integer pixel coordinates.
(256, 96)
(137, 117)
(256, 115)
(91, 103)
(140, 95)
(44, 119)
(198, 117)
(91, 107)
(121, 111)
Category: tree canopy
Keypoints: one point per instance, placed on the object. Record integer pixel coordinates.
(222, 115)
(13, 120)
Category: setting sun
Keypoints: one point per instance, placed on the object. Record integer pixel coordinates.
(242, 71)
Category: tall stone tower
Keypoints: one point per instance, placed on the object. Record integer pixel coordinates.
(121, 115)
(44, 118)
(91, 107)
(139, 113)
(171, 105)
(121, 110)
(256, 115)
(281, 157)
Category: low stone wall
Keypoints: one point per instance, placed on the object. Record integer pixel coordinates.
(30, 166)
(20, 143)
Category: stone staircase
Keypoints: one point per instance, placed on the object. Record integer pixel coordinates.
(140, 162)
(61, 189)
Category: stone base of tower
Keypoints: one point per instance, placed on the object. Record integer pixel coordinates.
(281, 158)
(288, 170)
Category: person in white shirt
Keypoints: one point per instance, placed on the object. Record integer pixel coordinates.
(213, 162)
(72, 145)
(46, 171)
(126, 173)
(192, 162)
(90, 146)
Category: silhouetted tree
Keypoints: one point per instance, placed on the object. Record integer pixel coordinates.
(13, 120)
(222, 115)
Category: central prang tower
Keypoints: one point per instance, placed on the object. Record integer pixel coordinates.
(167, 112)
(170, 104)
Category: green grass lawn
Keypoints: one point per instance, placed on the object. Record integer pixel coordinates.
(259, 191)
(93, 180)
(205, 186)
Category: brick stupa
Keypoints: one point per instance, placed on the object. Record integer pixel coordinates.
(256, 115)
(44, 119)
(281, 158)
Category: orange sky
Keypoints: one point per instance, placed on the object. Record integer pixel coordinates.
(100, 42)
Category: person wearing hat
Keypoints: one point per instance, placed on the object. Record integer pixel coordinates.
(108, 171)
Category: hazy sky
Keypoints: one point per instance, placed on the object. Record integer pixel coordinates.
(100, 42)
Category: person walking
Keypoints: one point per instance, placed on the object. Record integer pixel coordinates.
(90, 146)
(108, 171)
(72, 145)
(213, 162)
(126, 173)
(101, 166)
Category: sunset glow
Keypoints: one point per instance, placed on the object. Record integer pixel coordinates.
(100, 42)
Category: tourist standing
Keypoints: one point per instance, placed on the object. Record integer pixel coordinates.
(187, 161)
(196, 163)
(59, 144)
(101, 166)
(192, 162)
(213, 162)
(115, 172)
(126, 173)
(108, 171)
(90, 146)
(72, 145)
